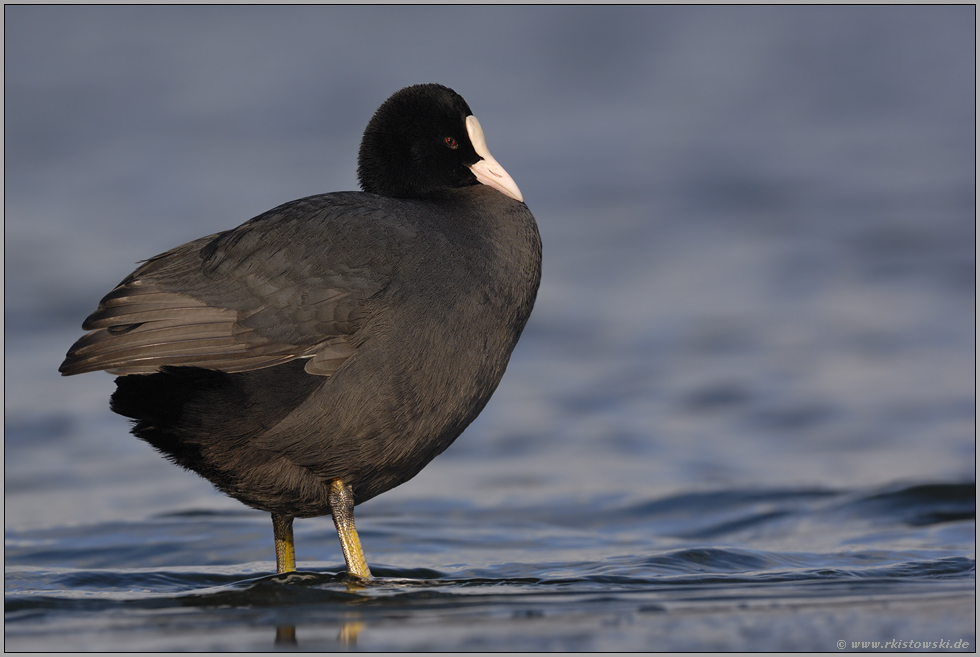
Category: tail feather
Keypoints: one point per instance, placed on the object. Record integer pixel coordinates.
(158, 405)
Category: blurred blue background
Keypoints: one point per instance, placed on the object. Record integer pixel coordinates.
(758, 226)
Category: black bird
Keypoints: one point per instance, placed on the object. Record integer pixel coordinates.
(325, 351)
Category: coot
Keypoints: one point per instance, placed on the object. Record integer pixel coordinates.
(325, 351)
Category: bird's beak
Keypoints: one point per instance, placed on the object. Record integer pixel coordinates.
(487, 170)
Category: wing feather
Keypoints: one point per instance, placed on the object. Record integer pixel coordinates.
(129, 339)
(288, 284)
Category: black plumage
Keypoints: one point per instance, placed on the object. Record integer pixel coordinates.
(346, 337)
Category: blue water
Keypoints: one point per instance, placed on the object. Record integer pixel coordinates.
(742, 416)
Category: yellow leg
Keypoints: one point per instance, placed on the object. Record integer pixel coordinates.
(342, 509)
(282, 527)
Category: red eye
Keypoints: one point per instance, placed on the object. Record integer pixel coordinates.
(451, 143)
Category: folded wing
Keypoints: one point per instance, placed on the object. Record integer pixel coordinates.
(233, 302)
